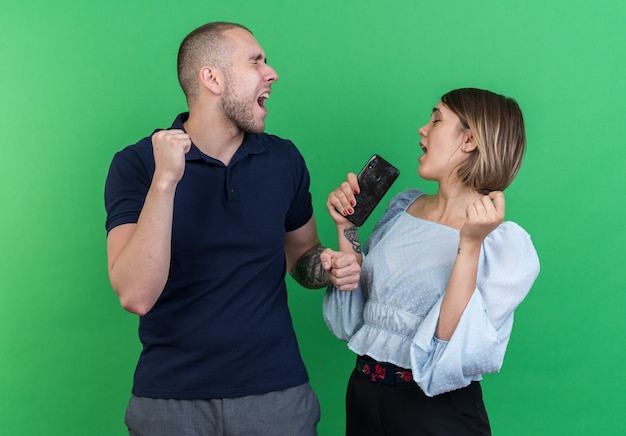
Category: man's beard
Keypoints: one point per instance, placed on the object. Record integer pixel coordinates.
(238, 110)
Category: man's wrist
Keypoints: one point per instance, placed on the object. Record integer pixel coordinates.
(309, 272)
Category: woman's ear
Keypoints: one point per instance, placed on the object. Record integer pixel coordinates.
(212, 79)
(469, 144)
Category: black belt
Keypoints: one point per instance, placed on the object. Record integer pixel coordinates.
(382, 372)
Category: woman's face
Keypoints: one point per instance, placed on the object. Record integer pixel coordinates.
(443, 139)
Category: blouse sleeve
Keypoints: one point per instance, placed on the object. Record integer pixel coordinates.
(507, 269)
(343, 310)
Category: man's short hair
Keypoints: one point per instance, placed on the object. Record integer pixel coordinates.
(205, 45)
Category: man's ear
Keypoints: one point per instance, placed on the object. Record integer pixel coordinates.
(212, 79)
(469, 144)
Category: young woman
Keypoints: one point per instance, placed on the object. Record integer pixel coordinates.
(441, 277)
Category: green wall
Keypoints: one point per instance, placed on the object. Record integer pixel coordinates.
(79, 82)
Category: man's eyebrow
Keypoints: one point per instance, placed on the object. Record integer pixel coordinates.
(436, 109)
(257, 57)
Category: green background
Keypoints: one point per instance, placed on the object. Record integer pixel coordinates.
(79, 81)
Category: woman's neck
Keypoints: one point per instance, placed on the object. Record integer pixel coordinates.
(447, 206)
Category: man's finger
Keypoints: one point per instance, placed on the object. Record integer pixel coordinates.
(326, 258)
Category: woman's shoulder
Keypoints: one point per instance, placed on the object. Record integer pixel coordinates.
(395, 207)
(404, 199)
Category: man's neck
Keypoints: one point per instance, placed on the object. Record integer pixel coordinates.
(213, 136)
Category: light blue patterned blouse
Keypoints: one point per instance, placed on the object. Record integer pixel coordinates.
(392, 316)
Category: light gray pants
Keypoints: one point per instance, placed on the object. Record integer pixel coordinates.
(292, 412)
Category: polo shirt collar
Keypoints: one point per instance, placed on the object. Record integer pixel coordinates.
(251, 144)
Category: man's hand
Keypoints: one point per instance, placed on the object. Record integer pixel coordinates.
(169, 148)
(344, 269)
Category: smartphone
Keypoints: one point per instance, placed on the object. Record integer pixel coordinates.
(375, 179)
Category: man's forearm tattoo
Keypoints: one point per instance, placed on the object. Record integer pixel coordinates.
(308, 270)
(352, 235)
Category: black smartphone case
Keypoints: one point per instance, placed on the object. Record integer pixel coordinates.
(375, 179)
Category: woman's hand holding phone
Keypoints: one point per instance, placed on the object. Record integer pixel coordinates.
(358, 196)
(341, 201)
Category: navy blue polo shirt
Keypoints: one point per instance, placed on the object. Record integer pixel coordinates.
(221, 327)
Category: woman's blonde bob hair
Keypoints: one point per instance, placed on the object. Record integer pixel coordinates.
(497, 125)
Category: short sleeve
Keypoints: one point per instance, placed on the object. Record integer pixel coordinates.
(301, 209)
(127, 184)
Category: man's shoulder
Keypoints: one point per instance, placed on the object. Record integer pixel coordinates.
(140, 150)
(143, 146)
(273, 146)
(270, 138)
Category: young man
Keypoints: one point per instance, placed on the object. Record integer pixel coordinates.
(203, 221)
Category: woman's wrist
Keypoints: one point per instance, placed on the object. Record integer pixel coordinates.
(469, 246)
(349, 234)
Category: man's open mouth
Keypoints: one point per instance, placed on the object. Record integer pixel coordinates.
(262, 99)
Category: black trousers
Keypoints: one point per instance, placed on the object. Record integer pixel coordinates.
(381, 410)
